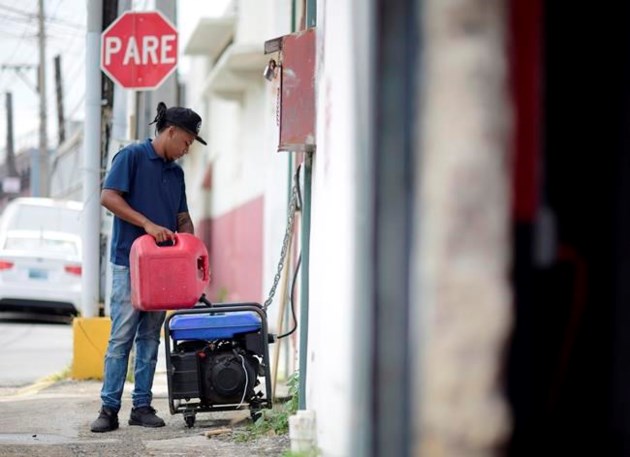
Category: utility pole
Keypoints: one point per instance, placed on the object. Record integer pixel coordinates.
(61, 122)
(10, 159)
(91, 220)
(20, 70)
(43, 120)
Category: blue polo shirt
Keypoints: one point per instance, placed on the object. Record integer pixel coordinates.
(151, 186)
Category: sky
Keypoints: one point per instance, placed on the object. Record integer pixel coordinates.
(65, 32)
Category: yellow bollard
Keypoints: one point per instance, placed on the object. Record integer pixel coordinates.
(90, 335)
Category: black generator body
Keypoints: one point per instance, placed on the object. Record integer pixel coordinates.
(217, 359)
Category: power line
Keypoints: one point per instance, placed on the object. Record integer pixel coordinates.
(18, 24)
(25, 40)
(16, 11)
(17, 46)
(28, 16)
(14, 35)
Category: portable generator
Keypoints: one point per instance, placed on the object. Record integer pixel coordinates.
(217, 359)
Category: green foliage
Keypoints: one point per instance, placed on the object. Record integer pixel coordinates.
(276, 420)
(61, 375)
(313, 453)
(271, 422)
(294, 391)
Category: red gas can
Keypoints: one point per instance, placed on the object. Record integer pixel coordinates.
(168, 277)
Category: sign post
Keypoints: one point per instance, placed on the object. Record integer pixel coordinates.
(139, 50)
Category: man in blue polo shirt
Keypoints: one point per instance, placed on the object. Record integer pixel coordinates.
(145, 191)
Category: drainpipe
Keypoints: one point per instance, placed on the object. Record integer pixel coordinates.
(306, 240)
(311, 13)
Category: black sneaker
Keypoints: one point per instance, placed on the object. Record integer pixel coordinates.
(145, 416)
(106, 422)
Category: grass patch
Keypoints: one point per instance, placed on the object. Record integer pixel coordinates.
(61, 375)
(274, 421)
(271, 422)
(300, 454)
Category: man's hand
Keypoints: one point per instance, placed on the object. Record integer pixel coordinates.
(158, 232)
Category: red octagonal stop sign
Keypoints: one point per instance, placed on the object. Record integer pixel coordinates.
(139, 49)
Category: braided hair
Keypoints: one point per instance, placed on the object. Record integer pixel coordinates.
(160, 119)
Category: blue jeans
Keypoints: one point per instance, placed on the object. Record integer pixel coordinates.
(129, 323)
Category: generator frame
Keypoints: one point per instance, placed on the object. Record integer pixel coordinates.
(190, 409)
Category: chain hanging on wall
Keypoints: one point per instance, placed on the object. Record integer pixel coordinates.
(294, 207)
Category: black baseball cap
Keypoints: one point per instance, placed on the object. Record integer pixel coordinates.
(186, 119)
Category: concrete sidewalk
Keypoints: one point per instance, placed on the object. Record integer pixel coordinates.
(53, 418)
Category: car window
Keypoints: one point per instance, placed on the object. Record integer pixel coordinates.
(31, 217)
(42, 245)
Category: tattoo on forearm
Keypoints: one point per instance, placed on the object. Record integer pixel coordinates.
(184, 223)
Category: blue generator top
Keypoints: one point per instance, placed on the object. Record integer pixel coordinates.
(213, 326)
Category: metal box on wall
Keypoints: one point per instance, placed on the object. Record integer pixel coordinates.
(297, 89)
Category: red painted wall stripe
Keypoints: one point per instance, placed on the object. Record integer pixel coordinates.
(234, 242)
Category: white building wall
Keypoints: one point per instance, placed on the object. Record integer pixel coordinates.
(333, 300)
(196, 162)
(242, 137)
(225, 153)
(240, 157)
(251, 20)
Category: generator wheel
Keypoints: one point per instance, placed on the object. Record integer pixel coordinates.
(189, 418)
(255, 414)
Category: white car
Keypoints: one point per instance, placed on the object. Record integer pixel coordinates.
(40, 256)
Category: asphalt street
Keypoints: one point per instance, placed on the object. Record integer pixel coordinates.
(33, 347)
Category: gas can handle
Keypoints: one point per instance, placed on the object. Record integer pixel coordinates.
(168, 243)
(204, 265)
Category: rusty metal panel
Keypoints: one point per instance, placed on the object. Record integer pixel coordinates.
(297, 113)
